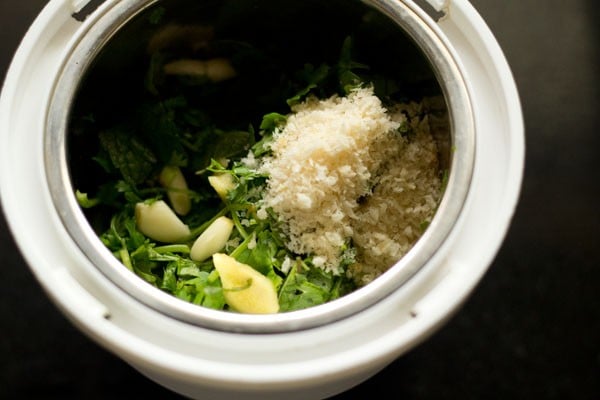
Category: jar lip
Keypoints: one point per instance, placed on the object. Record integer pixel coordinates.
(449, 75)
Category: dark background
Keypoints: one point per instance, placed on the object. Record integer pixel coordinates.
(531, 329)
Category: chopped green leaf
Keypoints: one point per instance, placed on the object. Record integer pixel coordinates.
(84, 201)
(271, 121)
(348, 79)
(132, 158)
(313, 78)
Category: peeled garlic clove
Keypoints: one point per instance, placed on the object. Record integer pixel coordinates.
(245, 289)
(222, 183)
(215, 69)
(158, 221)
(212, 240)
(172, 179)
(219, 69)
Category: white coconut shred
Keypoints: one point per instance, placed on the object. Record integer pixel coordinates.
(340, 173)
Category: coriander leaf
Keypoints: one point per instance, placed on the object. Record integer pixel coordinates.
(297, 292)
(135, 239)
(203, 290)
(213, 292)
(271, 121)
(103, 159)
(147, 276)
(84, 201)
(113, 237)
(261, 257)
(347, 78)
(341, 287)
(169, 281)
(263, 146)
(187, 267)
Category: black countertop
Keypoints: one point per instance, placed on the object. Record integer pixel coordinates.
(530, 330)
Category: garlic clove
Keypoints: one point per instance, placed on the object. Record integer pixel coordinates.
(158, 221)
(212, 240)
(223, 183)
(215, 69)
(245, 289)
(172, 179)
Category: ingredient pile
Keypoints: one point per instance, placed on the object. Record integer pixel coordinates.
(260, 200)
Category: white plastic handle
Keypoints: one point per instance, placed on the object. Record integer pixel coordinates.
(439, 5)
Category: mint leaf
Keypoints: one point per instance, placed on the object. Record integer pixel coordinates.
(313, 77)
(132, 158)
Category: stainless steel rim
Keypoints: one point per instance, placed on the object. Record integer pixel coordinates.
(117, 14)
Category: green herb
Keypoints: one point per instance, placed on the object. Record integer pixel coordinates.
(348, 79)
(307, 286)
(129, 155)
(84, 201)
(180, 127)
(313, 78)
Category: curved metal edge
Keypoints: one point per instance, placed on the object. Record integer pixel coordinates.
(87, 241)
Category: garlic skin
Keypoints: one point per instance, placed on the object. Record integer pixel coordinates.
(159, 222)
(245, 289)
(212, 240)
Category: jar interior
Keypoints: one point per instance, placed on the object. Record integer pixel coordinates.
(268, 40)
